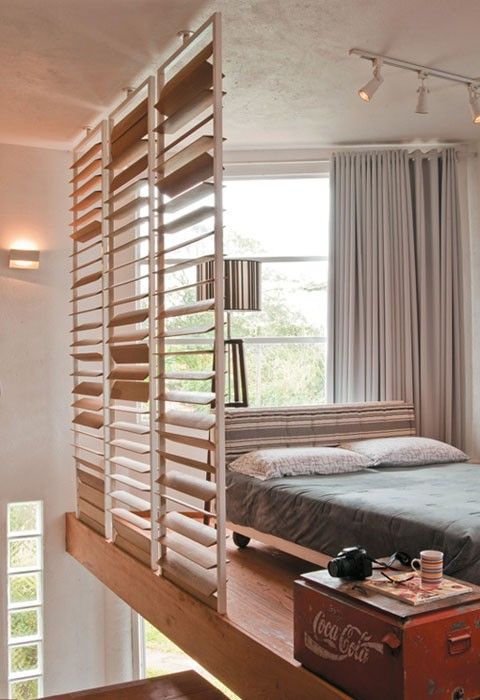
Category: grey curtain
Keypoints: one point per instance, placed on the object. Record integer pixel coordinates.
(395, 300)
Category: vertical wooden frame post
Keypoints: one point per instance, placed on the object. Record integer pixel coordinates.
(219, 315)
(152, 324)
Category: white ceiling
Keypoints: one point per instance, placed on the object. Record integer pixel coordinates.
(289, 78)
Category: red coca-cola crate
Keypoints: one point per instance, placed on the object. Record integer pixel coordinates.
(377, 648)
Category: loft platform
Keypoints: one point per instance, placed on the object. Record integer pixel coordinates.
(250, 649)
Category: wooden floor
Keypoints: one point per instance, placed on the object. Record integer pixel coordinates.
(251, 648)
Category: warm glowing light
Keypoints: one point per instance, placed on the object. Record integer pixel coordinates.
(24, 259)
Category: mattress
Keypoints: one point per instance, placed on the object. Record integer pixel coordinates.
(383, 510)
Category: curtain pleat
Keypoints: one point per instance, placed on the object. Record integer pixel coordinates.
(395, 285)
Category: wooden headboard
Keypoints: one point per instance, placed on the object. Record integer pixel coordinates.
(248, 429)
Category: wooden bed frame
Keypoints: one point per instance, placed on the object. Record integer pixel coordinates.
(249, 429)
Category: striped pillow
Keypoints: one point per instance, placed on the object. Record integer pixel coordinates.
(298, 461)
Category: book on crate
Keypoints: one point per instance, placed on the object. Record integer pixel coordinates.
(409, 589)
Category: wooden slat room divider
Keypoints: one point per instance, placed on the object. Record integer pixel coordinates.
(149, 430)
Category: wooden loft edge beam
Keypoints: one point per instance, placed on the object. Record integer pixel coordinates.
(215, 641)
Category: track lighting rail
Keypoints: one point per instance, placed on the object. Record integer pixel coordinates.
(414, 67)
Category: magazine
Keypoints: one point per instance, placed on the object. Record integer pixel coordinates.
(409, 589)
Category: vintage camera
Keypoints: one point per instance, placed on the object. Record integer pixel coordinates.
(351, 562)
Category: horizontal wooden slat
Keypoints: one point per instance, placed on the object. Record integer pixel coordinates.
(187, 462)
(137, 428)
(204, 557)
(91, 495)
(86, 233)
(92, 436)
(86, 373)
(188, 440)
(91, 511)
(132, 261)
(131, 533)
(193, 196)
(192, 174)
(87, 356)
(128, 481)
(88, 404)
(128, 300)
(130, 445)
(185, 264)
(127, 546)
(184, 243)
(86, 327)
(129, 244)
(132, 464)
(123, 408)
(186, 155)
(88, 389)
(129, 173)
(190, 485)
(130, 390)
(86, 342)
(90, 450)
(90, 473)
(189, 419)
(131, 207)
(198, 104)
(94, 213)
(80, 297)
(122, 126)
(130, 500)
(84, 249)
(193, 397)
(136, 132)
(130, 317)
(193, 218)
(136, 520)
(91, 420)
(130, 226)
(128, 156)
(95, 181)
(197, 307)
(185, 87)
(94, 261)
(136, 373)
(186, 505)
(128, 337)
(190, 330)
(188, 575)
(190, 527)
(189, 376)
(88, 279)
(128, 191)
(92, 198)
(85, 157)
(130, 354)
(86, 311)
(92, 168)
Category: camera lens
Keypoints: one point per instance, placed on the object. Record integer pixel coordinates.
(343, 567)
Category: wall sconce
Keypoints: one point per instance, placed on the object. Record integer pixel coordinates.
(24, 259)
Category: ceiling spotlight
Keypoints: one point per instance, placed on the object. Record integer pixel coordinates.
(368, 90)
(422, 92)
(474, 99)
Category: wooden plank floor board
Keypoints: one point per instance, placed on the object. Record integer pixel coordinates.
(185, 685)
(250, 649)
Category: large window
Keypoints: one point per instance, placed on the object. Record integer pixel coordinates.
(24, 585)
(283, 222)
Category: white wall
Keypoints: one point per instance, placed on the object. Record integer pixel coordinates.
(35, 457)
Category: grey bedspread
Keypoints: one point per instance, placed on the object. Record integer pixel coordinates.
(384, 510)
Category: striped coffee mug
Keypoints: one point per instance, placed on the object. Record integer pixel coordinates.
(430, 566)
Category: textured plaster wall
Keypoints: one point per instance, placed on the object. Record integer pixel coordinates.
(35, 457)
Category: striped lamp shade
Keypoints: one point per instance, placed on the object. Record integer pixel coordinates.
(242, 284)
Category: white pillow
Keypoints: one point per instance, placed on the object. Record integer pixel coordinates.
(297, 461)
(406, 451)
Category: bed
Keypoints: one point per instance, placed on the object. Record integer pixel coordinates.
(382, 509)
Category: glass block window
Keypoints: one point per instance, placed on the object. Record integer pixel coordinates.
(25, 597)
